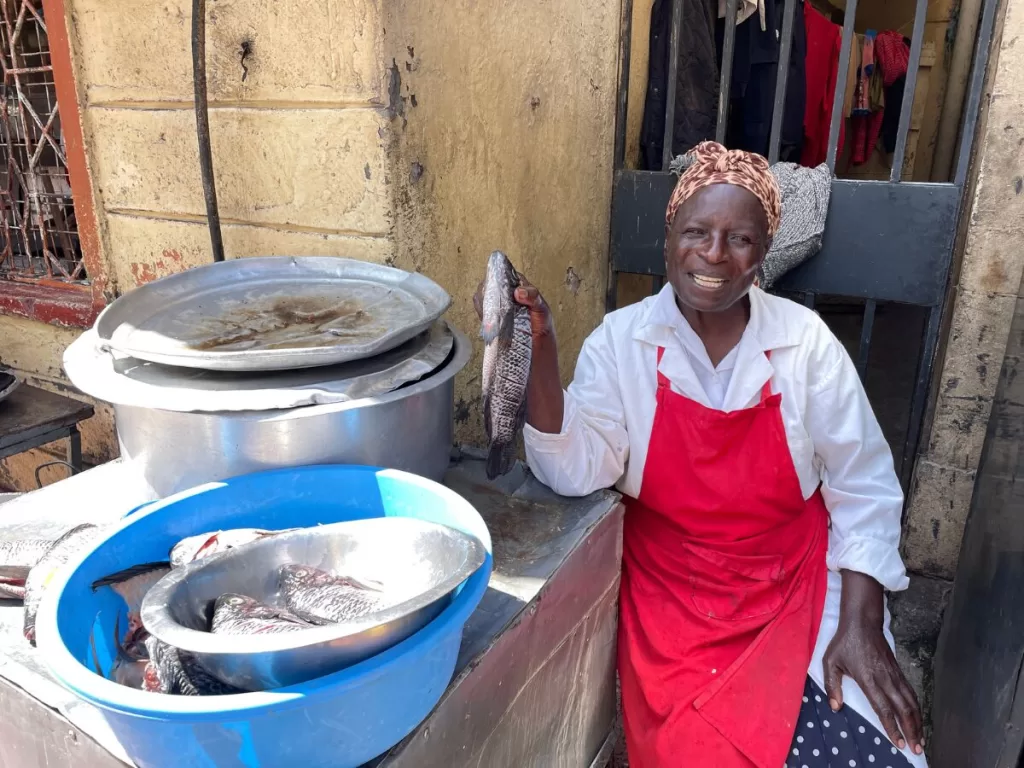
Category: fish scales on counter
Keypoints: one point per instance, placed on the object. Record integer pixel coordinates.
(178, 672)
(240, 615)
(322, 598)
(197, 547)
(506, 370)
(42, 573)
(17, 558)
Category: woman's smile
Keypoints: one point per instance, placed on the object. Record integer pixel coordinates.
(708, 282)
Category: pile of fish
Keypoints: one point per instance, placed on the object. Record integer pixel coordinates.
(311, 597)
(508, 349)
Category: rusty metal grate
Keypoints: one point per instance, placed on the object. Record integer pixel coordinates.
(38, 233)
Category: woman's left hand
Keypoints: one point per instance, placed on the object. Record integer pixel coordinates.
(859, 649)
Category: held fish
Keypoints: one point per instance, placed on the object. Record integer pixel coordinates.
(507, 352)
(240, 615)
(132, 584)
(321, 598)
(42, 574)
(17, 557)
(173, 671)
(197, 547)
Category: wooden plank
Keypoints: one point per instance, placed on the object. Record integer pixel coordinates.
(30, 413)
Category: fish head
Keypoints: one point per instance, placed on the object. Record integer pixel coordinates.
(499, 302)
(233, 604)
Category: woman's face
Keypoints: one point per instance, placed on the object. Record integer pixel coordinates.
(716, 243)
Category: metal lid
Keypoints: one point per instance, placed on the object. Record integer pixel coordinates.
(124, 380)
(272, 313)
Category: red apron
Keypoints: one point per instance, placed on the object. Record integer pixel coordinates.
(723, 586)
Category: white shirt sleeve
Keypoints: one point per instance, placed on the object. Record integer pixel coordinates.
(591, 451)
(859, 482)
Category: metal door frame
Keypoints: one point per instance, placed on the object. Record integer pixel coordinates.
(906, 257)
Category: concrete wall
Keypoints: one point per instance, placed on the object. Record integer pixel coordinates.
(417, 134)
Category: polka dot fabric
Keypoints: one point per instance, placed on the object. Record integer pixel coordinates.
(844, 739)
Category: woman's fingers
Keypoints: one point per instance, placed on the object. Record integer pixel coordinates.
(833, 684)
(886, 710)
(908, 714)
(528, 296)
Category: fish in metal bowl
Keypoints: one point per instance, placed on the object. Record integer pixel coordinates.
(301, 604)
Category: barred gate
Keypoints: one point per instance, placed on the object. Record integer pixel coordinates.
(904, 253)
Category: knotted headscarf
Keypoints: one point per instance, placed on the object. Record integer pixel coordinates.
(711, 163)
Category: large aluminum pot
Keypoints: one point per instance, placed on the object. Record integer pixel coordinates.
(410, 429)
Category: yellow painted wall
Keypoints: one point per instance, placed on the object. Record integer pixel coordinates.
(423, 134)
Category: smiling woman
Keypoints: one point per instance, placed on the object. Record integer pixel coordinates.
(763, 513)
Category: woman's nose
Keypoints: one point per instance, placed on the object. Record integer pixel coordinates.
(715, 252)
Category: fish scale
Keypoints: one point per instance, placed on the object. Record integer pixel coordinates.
(506, 366)
(322, 598)
(241, 615)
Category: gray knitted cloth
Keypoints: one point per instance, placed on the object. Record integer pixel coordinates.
(805, 195)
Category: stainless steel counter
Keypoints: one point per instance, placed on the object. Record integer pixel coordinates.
(535, 680)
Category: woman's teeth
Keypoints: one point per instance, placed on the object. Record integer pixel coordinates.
(708, 282)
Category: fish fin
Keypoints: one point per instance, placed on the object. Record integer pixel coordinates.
(129, 573)
(487, 414)
(499, 459)
(97, 668)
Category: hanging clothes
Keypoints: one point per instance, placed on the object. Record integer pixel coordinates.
(754, 73)
(696, 81)
(886, 58)
(824, 41)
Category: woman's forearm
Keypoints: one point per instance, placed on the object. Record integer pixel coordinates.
(862, 601)
(544, 399)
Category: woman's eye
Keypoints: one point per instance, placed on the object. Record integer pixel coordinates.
(693, 232)
(741, 239)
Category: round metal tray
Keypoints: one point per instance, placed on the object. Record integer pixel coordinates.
(272, 313)
(123, 380)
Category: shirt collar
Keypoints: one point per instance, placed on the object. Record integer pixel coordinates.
(768, 329)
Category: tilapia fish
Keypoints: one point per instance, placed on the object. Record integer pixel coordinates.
(17, 557)
(322, 598)
(240, 615)
(178, 672)
(132, 584)
(197, 547)
(507, 353)
(42, 573)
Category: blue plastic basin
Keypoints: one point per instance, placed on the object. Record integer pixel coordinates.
(341, 720)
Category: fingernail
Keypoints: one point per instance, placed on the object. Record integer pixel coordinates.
(901, 744)
(834, 704)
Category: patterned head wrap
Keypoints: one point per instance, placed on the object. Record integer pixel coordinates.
(711, 163)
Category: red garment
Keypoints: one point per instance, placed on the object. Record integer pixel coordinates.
(892, 55)
(723, 587)
(824, 41)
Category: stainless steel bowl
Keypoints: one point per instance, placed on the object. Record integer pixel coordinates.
(424, 561)
(410, 429)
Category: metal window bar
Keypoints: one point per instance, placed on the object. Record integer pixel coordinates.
(907, 107)
(845, 50)
(725, 82)
(781, 80)
(38, 231)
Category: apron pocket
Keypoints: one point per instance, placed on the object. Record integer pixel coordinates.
(734, 587)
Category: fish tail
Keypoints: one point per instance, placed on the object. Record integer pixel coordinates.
(500, 459)
(128, 573)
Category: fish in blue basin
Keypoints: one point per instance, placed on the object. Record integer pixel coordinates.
(40, 576)
(240, 615)
(174, 671)
(132, 584)
(322, 598)
(17, 557)
(205, 544)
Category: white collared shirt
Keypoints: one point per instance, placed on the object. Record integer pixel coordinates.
(833, 436)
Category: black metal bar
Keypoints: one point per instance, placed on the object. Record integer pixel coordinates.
(809, 300)
(775, 141)
(849, 16)
(867, 325)
(725, 83)
(611, 299)
(622, 107)
(75, 448)
(920, 396)
(977, 84)
(903, 133)
(673, 73)
(657, 283)
(203, 125)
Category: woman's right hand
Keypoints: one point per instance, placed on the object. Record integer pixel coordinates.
(541, 325)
